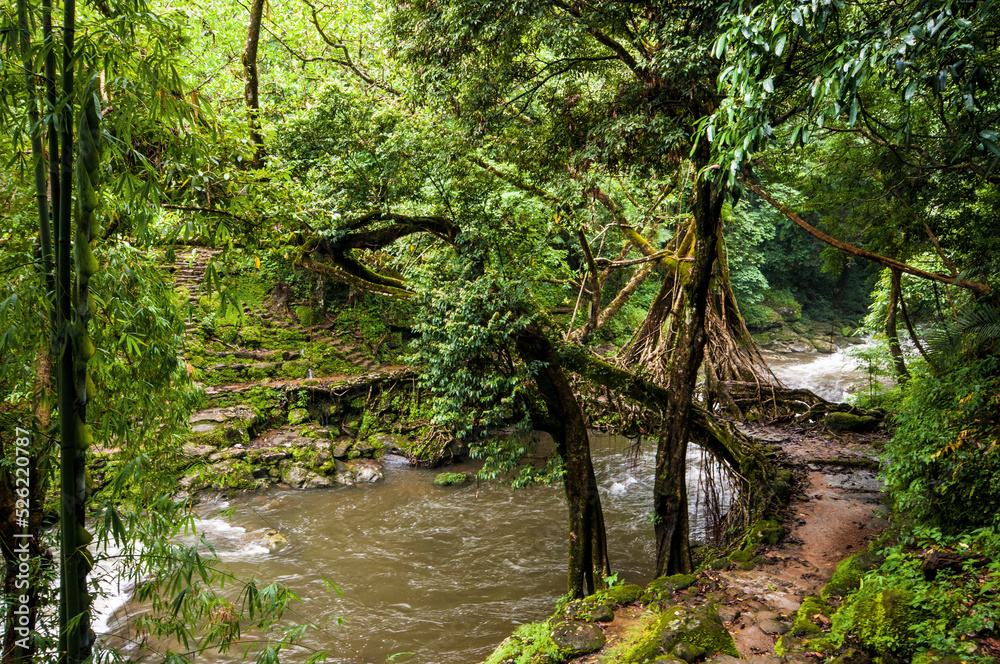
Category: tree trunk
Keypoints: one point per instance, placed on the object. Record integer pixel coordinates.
(890, 327)
(250, 89)
(669, 491)
(588, 548)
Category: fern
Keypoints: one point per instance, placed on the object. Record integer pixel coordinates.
(976, 331)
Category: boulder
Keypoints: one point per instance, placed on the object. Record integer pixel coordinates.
(367, 473)
(295, 475)
(197, 451)
(850, 422)
(297, 416)
(588, 610)
(671, 584)
(687, 652)
(773, 627)
(451, 479)
(222, 427)
(847, 576)
(699, 627)
(855, 656)
(824, 346)
(575, 638)
(274, 540)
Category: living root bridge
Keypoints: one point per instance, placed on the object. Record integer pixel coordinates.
(747, 463)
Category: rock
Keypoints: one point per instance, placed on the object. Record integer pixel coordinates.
(671, 584)
(850, 422)
(366, 474)
(297, 416)
(222, 426)
(825, 347)
(741, 556)
(340, 448)
(687, 652)
(575, 638)
(726, 659)
(761, 616)
(768, 531)
(623, 594)
(854, 656)
(296, 475)
(588, 610)
(272, 457)
(801, 346)
(728, 613)
(766, 659)
(451, 479)
(197, 451)
(772, 627)
(317, 482)
(699, 627)
(274, 540)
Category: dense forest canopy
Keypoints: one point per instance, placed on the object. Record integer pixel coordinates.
(554, 199)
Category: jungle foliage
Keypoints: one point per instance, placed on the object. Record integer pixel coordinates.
(548, 195)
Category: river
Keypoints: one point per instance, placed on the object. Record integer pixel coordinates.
(444, 573)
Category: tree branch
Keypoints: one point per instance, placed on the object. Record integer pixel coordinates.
(975, 287)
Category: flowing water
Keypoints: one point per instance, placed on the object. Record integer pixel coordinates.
(445, 573)
(833, 377)
(442, 572)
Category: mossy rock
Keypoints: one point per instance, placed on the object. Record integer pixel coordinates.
(821, 644)
(451, 479)
(742, 556)
(881, 621)
(591, 609)
(671, 584)
(574, 638)
(848, 574)
(767, 531)
(622, 594)
(304, 314)
(298, 416)
(701, 628)
(805, 619)
(850, 422)
(529, 644)
(687, 652)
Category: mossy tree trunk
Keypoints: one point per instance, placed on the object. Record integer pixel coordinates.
(588, 547)
(669, 489)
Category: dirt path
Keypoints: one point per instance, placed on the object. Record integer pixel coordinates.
(833, 515)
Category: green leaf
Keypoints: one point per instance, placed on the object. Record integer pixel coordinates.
(991, 146)
(769, 84)
(911, 89)
(779, 45)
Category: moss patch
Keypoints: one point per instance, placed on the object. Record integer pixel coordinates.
(847, 576)
(881, 620)
(622, 594)
(805, 620)
(701, 628)
(529, 644)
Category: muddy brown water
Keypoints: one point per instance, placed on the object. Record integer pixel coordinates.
(444, 573)
(441, 573)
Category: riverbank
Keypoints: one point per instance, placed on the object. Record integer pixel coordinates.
(767, 602)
